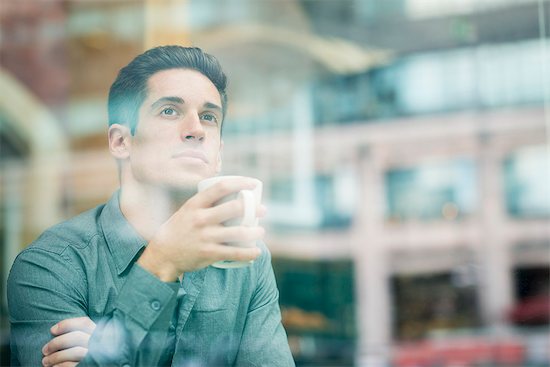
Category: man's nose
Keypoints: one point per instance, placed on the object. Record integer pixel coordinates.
(192, 128)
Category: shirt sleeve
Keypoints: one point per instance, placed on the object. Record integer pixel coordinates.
(264, 341)
(45, 288)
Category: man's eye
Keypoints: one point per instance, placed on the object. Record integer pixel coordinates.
(209, 117)
(168, 111)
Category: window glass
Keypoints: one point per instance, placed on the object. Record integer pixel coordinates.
(427, 303)
(526, 179)
(432, 191)
(317, 305)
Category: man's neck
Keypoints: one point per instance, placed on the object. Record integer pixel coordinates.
(147, 208)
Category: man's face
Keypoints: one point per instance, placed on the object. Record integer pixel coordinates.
(177, 142)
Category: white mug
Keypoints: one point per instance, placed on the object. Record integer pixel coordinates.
(251, 199)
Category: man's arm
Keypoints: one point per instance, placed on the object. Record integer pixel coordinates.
(264, 341)
(70, 342)
(43, 289)
(38, 297)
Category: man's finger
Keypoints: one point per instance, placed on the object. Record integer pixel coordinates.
(84, 324)
(74, 354)
(66, 364)
(229, 210)
(261, 211)
(66, 341)
(220, 189)
(223, 252)
(222, 234)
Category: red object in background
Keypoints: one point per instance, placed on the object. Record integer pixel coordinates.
(413, 354)
(509, 353)
(463, 352)
(532, 310)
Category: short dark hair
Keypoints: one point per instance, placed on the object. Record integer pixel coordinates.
(129, 89)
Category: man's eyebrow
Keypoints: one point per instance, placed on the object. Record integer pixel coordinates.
(162, 100)
(212, 106)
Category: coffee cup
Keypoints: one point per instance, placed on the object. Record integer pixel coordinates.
(251, 199)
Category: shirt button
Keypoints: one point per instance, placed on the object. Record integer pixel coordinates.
(126, 365)
(155, 305)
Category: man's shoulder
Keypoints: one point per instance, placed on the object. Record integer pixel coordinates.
(76, 232)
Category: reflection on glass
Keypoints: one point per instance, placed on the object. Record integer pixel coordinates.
(432, 191)
(434, 82)
(317, 305)
(333, 204)
(527, 178)
(428, 303)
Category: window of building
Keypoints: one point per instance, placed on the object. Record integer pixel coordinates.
(341, 99)
(432, 191)
(488, 76)
(332, 204)
(317, 305)
(426, 303)
(526, 178)
(532, 293)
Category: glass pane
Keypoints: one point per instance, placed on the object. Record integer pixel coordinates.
(432, 191)
(526, 178)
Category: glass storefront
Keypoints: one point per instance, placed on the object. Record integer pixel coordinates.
(425, 304)
(317, 305)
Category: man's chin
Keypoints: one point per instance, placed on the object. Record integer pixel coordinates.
(186, 186)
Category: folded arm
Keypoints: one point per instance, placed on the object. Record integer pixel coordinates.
(69, 344)
(44, 289)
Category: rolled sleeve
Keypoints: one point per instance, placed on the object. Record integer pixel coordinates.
(136, 332)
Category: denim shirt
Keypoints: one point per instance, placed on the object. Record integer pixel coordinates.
(87, 267)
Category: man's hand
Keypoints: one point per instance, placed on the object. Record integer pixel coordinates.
(193, 237)
(70, 342)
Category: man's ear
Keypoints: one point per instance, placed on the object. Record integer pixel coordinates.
(219, 162)
(119, 141)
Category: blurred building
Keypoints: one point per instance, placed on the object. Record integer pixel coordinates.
(403, 145)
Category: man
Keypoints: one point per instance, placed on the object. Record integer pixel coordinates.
(129, 282)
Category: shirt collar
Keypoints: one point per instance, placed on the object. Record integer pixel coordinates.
(122, 239)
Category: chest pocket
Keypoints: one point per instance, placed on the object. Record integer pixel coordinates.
(221, 304)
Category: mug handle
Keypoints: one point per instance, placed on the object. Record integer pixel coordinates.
(249, 201)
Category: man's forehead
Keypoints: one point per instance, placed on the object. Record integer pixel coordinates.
(178, 82)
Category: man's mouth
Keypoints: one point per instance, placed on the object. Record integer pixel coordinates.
(192, 153)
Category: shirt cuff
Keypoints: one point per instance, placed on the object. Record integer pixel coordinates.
(144, 297)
